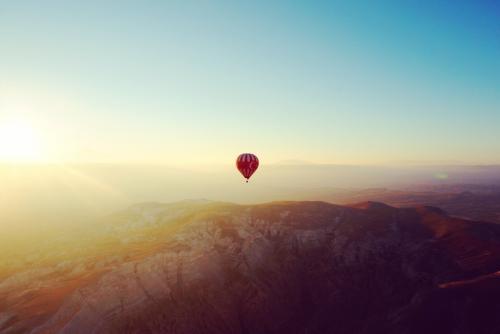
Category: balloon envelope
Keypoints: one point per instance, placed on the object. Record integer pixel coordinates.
(247, 164)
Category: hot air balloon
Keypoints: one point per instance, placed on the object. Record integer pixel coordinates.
(247, 164)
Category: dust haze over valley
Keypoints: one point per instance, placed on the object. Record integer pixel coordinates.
(41, 202)
(39, 195)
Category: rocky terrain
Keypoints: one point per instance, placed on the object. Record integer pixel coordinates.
(281, 267)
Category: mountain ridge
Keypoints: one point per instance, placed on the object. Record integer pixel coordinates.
(279, 267)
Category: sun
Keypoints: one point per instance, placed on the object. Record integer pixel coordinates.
(19, 142)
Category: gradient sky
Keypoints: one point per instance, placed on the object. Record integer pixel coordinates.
(186, 83)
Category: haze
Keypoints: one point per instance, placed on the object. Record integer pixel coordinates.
(43, 196)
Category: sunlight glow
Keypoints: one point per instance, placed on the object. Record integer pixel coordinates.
(19, 142)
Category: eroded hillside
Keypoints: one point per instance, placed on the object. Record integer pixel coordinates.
(283, 267)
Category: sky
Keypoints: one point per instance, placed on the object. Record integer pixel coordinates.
(191, 83)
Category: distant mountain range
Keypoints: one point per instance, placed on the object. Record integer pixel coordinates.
(476, 202)
(280, 267)
(49, 195)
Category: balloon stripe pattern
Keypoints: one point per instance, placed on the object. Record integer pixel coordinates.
(247, 164)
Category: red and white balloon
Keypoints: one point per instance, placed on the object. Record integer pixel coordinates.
(247, 164)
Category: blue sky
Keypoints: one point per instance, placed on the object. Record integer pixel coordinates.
(181, 82)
